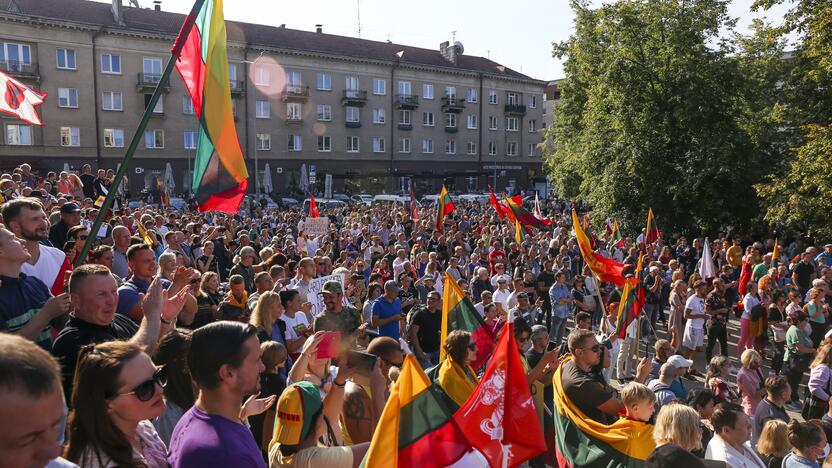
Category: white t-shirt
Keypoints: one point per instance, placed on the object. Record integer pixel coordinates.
(696, 305)
(501, 297)
(295, 325)
(749, 302)
(48, 266)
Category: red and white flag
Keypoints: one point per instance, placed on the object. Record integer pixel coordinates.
(19, 100)
(536, 210)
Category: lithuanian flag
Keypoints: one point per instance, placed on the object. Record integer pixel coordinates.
(775, 255)
(444, 207)
(143, 233)
(416, 428)
(605, 269)
(458, 313)
(526, 218)
(519, 235)
(617, 240)
(220, 177)
(632, 301)
(581, 441)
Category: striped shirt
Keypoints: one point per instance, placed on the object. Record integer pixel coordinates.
(21, 299)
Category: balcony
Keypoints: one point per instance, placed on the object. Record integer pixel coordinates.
(349, 124)
(237, 87)
(407, 101)
(354, 97)
(452, 104)
(405, 126)
(515, 109)
(296, 93)
(451, 129)
(148, 82)
(19, 69)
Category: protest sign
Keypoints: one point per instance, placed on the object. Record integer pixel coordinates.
(314, 227)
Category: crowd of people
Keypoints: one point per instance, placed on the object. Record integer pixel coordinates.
(202, 339)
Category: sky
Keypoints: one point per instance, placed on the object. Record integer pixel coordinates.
(518, 34)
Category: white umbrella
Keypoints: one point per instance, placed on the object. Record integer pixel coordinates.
(267, 179)
(303, 184)
(171, 184)
(706, 263)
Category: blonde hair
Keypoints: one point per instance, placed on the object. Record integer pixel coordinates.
(749, 357)
(272, 354)
(678, 424)
(823, 357)
(165, 258)
(634, 393)
(262, 314)
(774, 439)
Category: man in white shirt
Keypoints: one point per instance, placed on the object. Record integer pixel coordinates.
(500, 296)
(730, 444)
(398, 263)
(695, 313)
(485, 299)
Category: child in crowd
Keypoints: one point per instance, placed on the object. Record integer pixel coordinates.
(639, 401)
(273, 355)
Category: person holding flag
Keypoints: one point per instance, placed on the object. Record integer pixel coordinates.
(444, 207)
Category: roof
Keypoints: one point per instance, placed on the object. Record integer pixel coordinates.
(162, 22)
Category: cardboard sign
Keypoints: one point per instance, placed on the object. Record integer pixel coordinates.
(314, 296)
(314, 227)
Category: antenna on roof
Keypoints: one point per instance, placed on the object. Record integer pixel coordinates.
(358, 10)
(453, 36)
(135, 3)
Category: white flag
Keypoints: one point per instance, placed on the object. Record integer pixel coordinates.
(706, 263)
(19, 100)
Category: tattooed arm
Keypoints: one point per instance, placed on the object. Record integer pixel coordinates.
(359, 421)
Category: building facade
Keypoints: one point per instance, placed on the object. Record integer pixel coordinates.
(374, 115)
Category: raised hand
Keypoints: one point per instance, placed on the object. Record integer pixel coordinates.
(254, 406)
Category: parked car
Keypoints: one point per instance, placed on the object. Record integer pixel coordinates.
(288, 201)
(391, 198)
(362, 198)
(341, 196)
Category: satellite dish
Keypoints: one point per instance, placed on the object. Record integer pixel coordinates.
(459, 48)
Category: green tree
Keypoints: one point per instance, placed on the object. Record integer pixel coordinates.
(652, 115)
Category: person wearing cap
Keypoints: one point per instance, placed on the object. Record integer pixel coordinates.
(525, 310)
(337, 316)
(696, 314)
(682, 367)
(302, 419)
(387, 311)
(501, 295)
(70, 217)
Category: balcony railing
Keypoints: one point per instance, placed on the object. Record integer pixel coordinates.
(515, 109)
(19, 69)
(354, 97)
(296, 93)
(349, 124)
(452, 104)
(451, 129)
(294, 119)
(405, 126)
(149, 81)
(407, 101)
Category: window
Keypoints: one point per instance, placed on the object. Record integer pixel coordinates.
(378, 116)
(293, 81)
(404, 145)
(531, 149)
(450, 147)
(353, 145)
(293, 111)
(113, 138)
(111, 63)
(189, 140)
(427, 91)
(511, 148)
(160, 104)
(427, 119)
(472, 121)
(353, 114)
(492, 149)
(379, 86)
(264, 141)
(404, 117)
(532, 126)
(472, 95)
(378, 144)
(152, 69)
(471, 148)
(261, 76)
(262, 110)
(450, 120)
(15, 55)
(492, 97)
(512, 99)
(70, 136)
(65, 59)
(67, 97)
(450, 92)
(533, 101)
(351, 84)
(232, 73)
(18, 135)
(187, 105)
(512, 124)
(154, 139)
(295, 143)
(404, 88)
(492, 123)
(111, 101)
(324, 113)
(323, 82)
(427, 146)
(324, 143)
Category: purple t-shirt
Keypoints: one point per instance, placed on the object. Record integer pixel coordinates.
(205, 440)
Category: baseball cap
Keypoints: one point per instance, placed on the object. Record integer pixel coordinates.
(70, 207)
(295, 409)
(679, 362)
(522, 295)
(332, 287)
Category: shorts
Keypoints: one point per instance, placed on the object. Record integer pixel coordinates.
(694, 338)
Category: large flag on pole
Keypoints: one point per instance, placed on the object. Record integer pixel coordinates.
(581, 441)
(498, 206)
(313, 207)
(220, 176)
(707, 269)
(605, 269)
(523, 215)
(416, 428)
(499, 419)
(444, 207)
(20, 100)
(632, 301)
(458, 313)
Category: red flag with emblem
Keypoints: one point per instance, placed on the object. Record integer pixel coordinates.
(313, 207)
(19, 100)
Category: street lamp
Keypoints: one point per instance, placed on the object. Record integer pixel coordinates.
(256, 161)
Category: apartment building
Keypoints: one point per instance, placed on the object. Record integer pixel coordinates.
(374, 115)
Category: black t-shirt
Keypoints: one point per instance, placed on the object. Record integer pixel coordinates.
(803, 271)
(585, 391)
(670, 455)
(430, 328)
(77, 333)
(649, 296)
(548, 279)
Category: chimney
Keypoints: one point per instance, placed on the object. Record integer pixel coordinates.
(118, 12)
(448, 51)
(157, 5)
(319, 28)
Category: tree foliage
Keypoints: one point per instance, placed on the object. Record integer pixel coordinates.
(658, 110)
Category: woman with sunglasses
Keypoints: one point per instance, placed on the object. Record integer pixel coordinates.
(76, 237)
(117, 391)
(456, 377)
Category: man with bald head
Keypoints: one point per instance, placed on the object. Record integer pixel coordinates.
(121, 241)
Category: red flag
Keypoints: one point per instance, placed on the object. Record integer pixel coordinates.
(18, 100)
(313, 207)
(499, 419)
(745, 277)
(498, 206)
(414, 208)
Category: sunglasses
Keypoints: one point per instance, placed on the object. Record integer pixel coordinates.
(145, 390)
(594, 348)
(472, 347)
